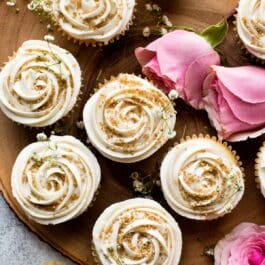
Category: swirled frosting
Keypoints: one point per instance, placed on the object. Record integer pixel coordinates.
(201, 179)
(128, 119)
(137, 231)
(40, 84)
(93, 21)
(55, 180)
(251, 26)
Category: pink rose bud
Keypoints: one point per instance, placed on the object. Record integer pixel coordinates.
(235, 101)
(245, 245)
(179, 60)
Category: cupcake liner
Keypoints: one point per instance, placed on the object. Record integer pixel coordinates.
(93, 43)
(257, 166)
(95, 254)
(237, 163)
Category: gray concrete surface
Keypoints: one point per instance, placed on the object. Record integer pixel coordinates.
(19, 246)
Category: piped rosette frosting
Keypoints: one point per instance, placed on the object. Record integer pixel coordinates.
(260, 169)
(137, 231)
(55, 180)
(128, 119)
(201, 178)
(251, 26)
(93, 21)
(40, 84)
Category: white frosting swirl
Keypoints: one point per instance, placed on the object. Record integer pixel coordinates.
(137, 232)
(201, 179)
(128, 119)
(93, 21)
(40, 84)
(251, 26)
(55, 180)
(260, 169)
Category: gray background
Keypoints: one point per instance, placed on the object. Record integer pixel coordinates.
(19, 246)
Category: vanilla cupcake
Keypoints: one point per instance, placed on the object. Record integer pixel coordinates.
(93, 22)
(40, 84)
(128, 119)
(137, 231)
(260, 169)
(251, 26)
(201, 178)
(55, 180)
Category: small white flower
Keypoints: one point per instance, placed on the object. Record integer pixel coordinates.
(10, 2)
(80, 125)
(41, 137)
(171, 134)
(148, 7)
(173, 94)
(138, 185)
(146, 32)
(158, 183)
(156, 7)
(166, 21)
(163, 31)
(48, 38)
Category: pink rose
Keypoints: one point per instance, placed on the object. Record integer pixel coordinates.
(245, 245)
(179, 60)
(235, 101)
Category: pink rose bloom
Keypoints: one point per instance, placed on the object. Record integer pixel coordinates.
(179, 60)
(245, 245)
(235, 101)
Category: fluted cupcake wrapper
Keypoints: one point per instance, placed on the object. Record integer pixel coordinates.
(258, 166)
(94, 254)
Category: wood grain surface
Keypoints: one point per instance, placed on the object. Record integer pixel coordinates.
(74, 238)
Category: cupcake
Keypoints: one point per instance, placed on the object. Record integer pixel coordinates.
(93, 22)
(137, 231)
(128, 119)
(40, 84)
(55, 180)
(260, 169)
(250, 26)
(201, 178)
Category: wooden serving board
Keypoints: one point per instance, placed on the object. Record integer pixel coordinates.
(74, 238)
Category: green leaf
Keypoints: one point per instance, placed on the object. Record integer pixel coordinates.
(215, 34)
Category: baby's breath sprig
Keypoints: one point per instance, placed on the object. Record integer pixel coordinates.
(209, 250)
(11, 3)
(145, 185)
(42, 8)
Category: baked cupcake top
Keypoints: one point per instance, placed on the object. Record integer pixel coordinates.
(201, 178)
(40, 84)
(260, 168)
(251, 26)
(137, 231)
(128, 119)
(93, 21)
(55, 180)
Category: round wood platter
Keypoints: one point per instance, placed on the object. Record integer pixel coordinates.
(73, 238)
